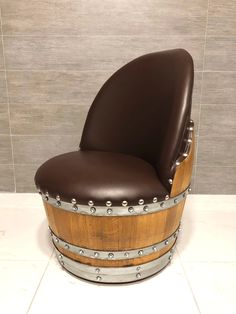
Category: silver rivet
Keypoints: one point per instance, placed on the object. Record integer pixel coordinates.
(189, 140)
(124, 203)
(170, 181)
(98, 278)
(58, 198)
(58, 203)
(108, 203)
(56, 240)
(177, 163)
(46, 196)
(73, 201)
(154, 199)
(75, 207)
(93, 210)
(97, 270)
(140, 253)
(189, 189)
(190, 128)
(138, 268)
(185, 155)
(170, 257)
(62, 263)
(96, 254)
(141, 202)
(138, 275)
(154, 248)
(131, 209)
(145, 208)
(162, 204)
(81, 252)
(111, 255)
(60, 256)
(90, 203)
(175, 200)
(109, 211)
(167, 197)
(67, 246)
(166, 242)
(126, 254)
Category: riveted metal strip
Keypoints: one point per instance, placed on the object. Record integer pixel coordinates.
(117, 210)
(115, 274)
(188, 143)
(114, 255)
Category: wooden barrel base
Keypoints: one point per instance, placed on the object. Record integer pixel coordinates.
(115, 274)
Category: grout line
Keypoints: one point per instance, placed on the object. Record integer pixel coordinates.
(188, 281)
(201, 93)
(220, 71)
(61, 70)
(100, 70)
(76, 134)
(8, 101)
(49, 135)
(119, 36)
(220, 104)
(40, 281)
(112, 35)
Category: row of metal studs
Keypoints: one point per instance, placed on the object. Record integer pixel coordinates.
(115, 255)
(58, 201)
(115, 274)
(90, 209)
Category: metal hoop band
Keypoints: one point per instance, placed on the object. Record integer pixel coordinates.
(114, 255)
(117, 210)
(115, 274)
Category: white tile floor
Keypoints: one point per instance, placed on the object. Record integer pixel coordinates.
(200, 279)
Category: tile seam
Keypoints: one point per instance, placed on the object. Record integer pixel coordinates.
(201, 92)
(8, 101)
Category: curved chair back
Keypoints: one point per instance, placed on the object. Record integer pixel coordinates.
(143, 110)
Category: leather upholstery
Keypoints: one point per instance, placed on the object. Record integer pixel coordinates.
(100, 176)
(132, 137)
(143, 110)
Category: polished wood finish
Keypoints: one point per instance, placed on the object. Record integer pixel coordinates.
(123, 232)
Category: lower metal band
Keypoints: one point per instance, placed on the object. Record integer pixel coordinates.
(114, 255)
(115, 274)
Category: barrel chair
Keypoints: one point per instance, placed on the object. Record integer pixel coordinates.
(114, 206)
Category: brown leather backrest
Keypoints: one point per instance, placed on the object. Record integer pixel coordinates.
(143, 110)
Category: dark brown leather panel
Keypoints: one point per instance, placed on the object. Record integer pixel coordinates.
(100, 177)
(143, 110)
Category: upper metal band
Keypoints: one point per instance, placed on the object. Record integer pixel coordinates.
(114, 255)
(117, 210)
(115, 274)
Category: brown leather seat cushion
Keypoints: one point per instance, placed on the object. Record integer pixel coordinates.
(100, 177)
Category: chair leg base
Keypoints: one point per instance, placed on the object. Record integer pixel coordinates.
(114, 274)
